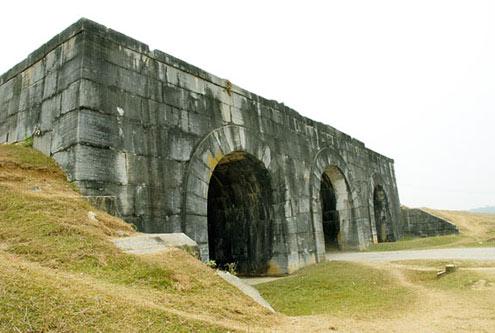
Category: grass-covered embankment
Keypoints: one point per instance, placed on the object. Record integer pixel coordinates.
(59, 270)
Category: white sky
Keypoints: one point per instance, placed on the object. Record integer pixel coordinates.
(414, 80)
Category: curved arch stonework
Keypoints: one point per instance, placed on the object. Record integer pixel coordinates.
(208, 153)
(376, 180)
(351, 237)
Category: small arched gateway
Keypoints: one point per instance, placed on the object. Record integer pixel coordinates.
(383, 218)
(335, 207)
(239, 214)
(333, 204)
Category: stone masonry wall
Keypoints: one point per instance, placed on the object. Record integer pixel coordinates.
(419, 223)
(149, 129)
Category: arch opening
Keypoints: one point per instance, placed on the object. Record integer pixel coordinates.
(383, 217)
(239, 214)
(335, 207)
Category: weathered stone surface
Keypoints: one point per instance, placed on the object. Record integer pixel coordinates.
(151, 131)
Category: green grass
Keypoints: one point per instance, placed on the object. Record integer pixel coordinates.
(42, 231)
(440, 264)
(409, 243)
(337, 288)
(461, 280)
(27, 158)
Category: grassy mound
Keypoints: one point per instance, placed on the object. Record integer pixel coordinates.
(336, 288)
(60, 271)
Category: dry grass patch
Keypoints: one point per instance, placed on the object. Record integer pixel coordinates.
(476, 229)
(63, 267)
(37, 299)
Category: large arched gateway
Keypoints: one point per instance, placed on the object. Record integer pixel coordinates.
(229, 202)
(239, 214)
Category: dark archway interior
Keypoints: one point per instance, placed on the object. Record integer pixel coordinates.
(330, 214)
(239, 205)
(383, 218)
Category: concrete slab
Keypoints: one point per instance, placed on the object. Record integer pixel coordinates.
(245, 288)
(153, 243)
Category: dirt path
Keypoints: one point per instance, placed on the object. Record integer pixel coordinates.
(431, 311)
(427, 310)
(485, 254)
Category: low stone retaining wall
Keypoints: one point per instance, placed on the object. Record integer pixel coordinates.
(419, 223)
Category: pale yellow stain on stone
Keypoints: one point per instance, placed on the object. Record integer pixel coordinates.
(274, 269)
(213, 160)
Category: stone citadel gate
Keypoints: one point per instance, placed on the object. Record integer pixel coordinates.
(181, 150)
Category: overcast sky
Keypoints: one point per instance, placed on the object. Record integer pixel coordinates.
(413, 80)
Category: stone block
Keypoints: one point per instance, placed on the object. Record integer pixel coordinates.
(197, 228)
(33, 74)
(43, 143)
(90, 94)
(137, 168)
(180, 146)
(71, 48)
(69, 72)
(196, 205)
(21, 127)
(50, 110)
(50, 85)
(52, 60)
(130, 81)
(172, 75)
(133, 138)
(7, 90)
(66, 160)
(64, 134)
(99, 129)
(98, 164)
(142, 202)
(173, 96)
